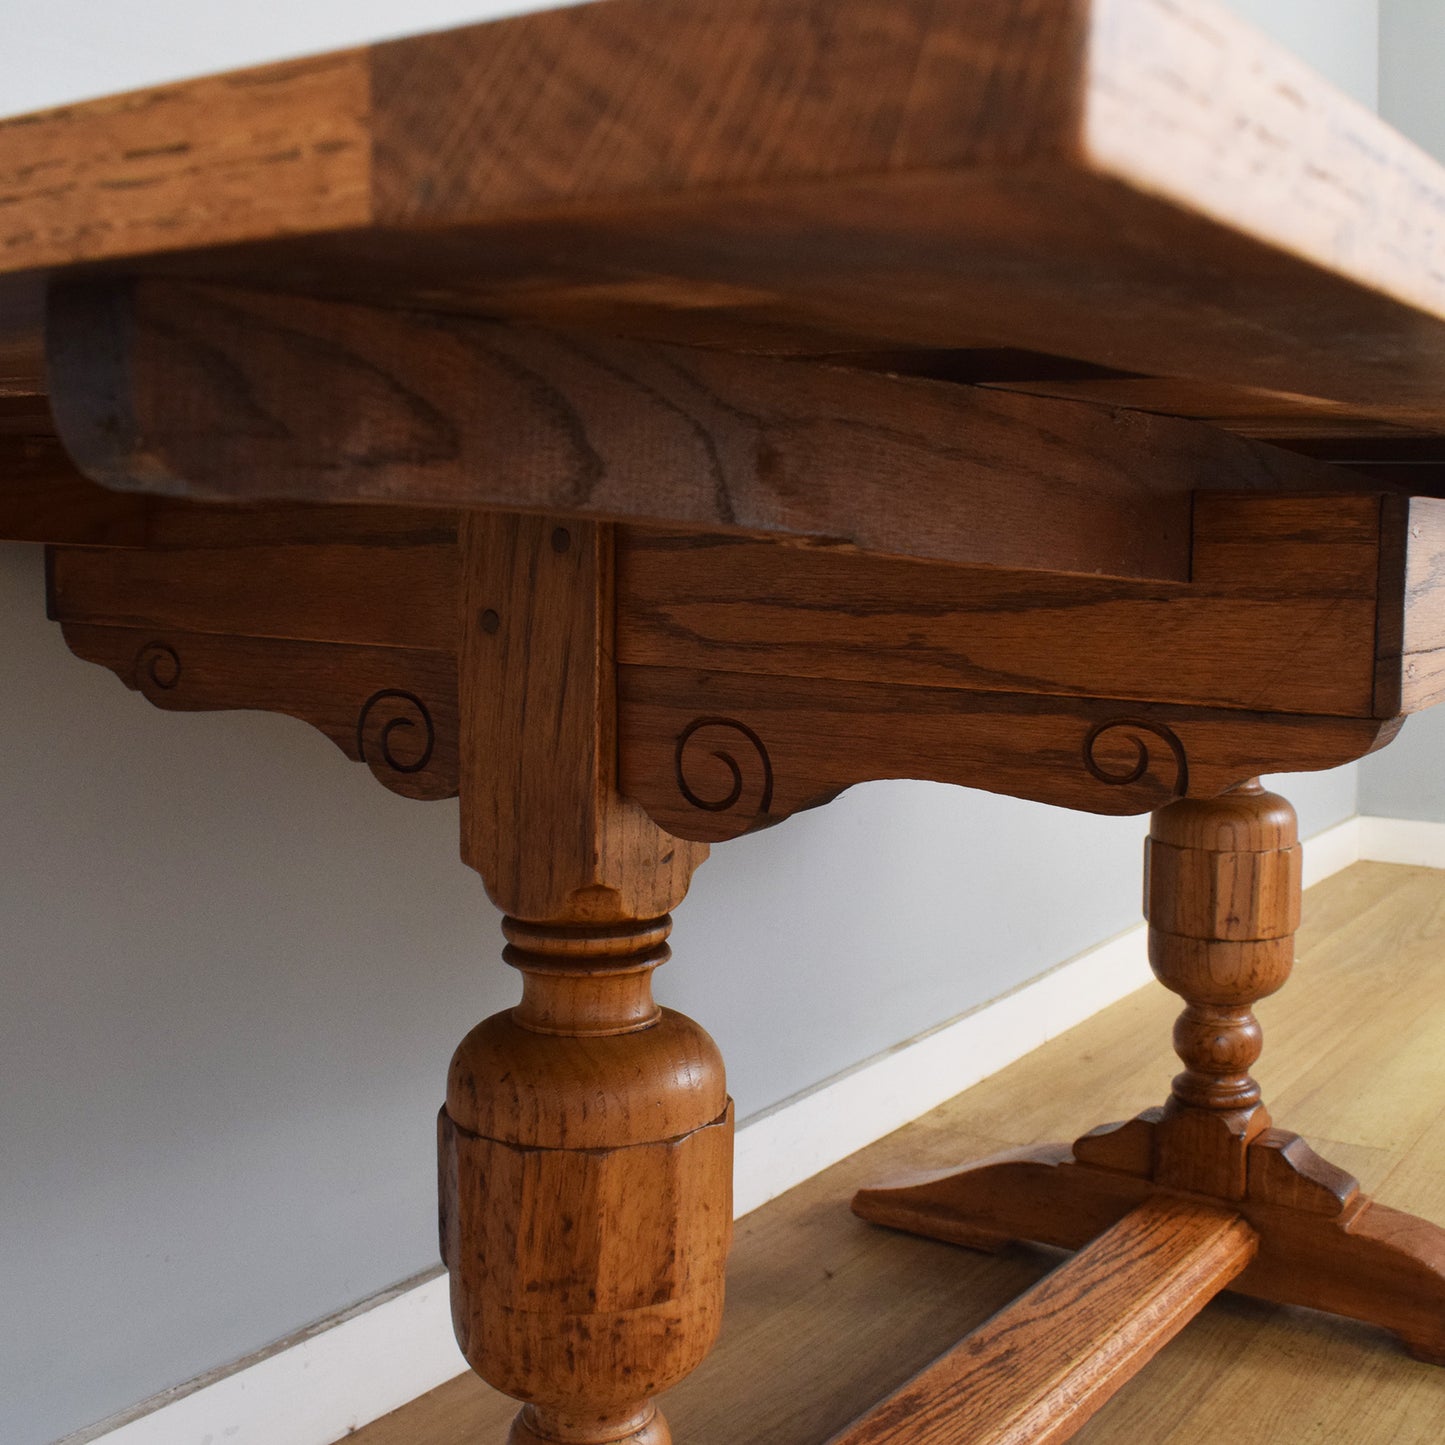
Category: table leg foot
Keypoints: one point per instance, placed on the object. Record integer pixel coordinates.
(642, 1426)
(1322, 1243)
(1222, 898)
(1033, 1195)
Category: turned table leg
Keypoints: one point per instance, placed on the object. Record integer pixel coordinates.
(586, 1148)
(1222, 897)
(586, 1139)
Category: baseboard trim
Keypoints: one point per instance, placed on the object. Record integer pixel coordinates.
(312, 1388)
(317, 1386)
(1332, 851)
(1402, 840)
(802, 1136)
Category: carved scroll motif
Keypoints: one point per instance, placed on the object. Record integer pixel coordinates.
(405, 730)
(157, 668)
(707, 775)
(1134, 731)
(708, 741)
(395, 730)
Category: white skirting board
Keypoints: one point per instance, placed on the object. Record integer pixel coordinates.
(316, 1387)
(1402, 840)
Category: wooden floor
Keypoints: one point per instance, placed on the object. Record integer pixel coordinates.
(827, 1314)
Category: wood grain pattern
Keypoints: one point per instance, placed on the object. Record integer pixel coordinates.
(204, 391)
(585, 1180)
(341, 616)
(586, 1140)
(542, 820)
(684, 96)
(382, 595)
(43, 498)
(1040, 1368)
(791, 176)
(245, 156)
(1314, 425)
(712, 755)
(1373, 1263)
(1282, 616)
(393, 709)
(1412, 632)
(810, 669)
(1222, 898)
(825, 668)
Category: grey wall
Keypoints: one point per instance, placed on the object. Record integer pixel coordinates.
(1340, 38)
(1407, 779)
(1412, 69)
(234, 967)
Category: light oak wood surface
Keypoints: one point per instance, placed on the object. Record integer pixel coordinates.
(586, 1139)
(983, 178)
(1222, 896)
(827, 1315)
(1042, 1365)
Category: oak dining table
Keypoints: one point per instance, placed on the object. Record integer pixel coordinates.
(647, 419)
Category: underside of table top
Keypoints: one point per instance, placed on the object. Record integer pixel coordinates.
(1136, 202)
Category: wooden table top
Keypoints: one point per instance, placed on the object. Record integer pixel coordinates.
(1137, 202)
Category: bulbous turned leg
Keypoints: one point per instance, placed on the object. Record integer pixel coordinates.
(586, 1150)
(586, 1141)
(1222, 896)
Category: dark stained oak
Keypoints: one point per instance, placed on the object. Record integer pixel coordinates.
(883, 314)
(344, 617)
(43, 495)
(712, 755)
(1281, 615)
(756, 678)
(44, 498)
(396, 595)
(205, 391)
(797, 176)
(393, 709)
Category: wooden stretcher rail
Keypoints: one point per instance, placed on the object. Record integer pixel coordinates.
(1035, 1372)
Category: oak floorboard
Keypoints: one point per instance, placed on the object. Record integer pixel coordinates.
(827, 1315)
